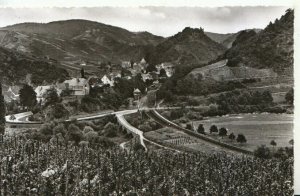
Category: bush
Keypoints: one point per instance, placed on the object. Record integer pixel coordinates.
(74, 134)
(129, 136)
(46, 129)
(87, 129)
(60, 128)
(263, 152)
(280, 153)
(91, 136)
(166, 114)
(175, 114)
(231, 136)
(110, 130)
(194, 115)
(192, 102)
(59, 111)
(276, 109)
(182, 120)
(137, 147)
(165, 94)
(145, 127)
(74, 104)
(105, 142)
(189, 127)
(212, 110)
(2, 129)
(31, 118)
(273, 143)
(89, 104)
(154, 125)
(201, 129)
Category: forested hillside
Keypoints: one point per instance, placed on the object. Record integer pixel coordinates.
(270, 48)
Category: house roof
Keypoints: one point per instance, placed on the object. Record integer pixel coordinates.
(143, 61)
(106, 76)
(14, 90)
(168, 64)
(136, 90)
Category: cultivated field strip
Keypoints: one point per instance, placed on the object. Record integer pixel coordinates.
(207, 141)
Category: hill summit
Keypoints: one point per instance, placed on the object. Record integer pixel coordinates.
(190, 46)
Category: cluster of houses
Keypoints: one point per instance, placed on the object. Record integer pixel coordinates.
(141, 67)
(81, 86)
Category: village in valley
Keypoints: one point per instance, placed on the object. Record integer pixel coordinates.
(80, 84)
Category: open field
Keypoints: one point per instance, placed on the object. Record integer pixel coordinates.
(259, 129)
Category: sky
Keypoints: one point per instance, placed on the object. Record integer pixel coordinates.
(163, 21)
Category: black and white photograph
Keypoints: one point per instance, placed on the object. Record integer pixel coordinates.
(147, 100)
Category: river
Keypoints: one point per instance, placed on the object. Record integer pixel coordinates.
(259, 129)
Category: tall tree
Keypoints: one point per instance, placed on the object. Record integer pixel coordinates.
(273, 143)
(162, 73)
(82, 73)
(201, 129)
(151, 68)
(213, 129)
(222, 132)
(231, 136)
(27, 96)
(139, 83)
(2, 111)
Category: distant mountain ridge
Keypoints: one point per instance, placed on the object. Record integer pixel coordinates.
(228, 38)
(81, 40)
(72, 28)
(76, 40)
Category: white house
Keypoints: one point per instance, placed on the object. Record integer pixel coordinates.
(13, 92)
(168, 67)
(115, 74)
(126, 64)
(83, 64)
(146, 76)
(137, 93)
(143, 61)
(78, 86)
(107, 80)
(143, 64)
